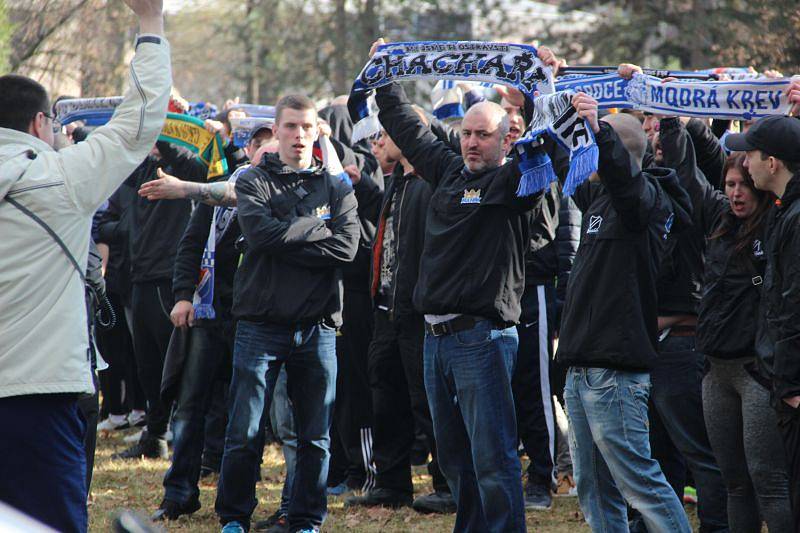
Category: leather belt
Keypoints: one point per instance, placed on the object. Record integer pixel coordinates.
(454, 325)
(682, 331)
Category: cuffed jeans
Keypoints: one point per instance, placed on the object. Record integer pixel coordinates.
(260, 350)
(610, 446)
(468, 382)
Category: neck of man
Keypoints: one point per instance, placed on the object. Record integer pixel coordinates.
(408, 168)
(781, 180)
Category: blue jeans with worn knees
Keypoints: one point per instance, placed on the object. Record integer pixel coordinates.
(309, 355)
(468, 382)
(282, 418)
(206, 361)
(610, 444)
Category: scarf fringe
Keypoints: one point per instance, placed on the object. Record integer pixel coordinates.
(204, 311)
(536, 173)
(366, 128)
(581, 166)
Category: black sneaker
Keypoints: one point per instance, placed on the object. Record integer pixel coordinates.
(538, 497)
(277, 523)
(379, 498)
(170, 510)
(149, 447)
(435, 502)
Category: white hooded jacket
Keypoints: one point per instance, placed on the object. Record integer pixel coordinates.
(43, 325)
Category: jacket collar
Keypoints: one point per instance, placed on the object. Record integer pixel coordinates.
(26, 140)
(792, 191)
(272, 163)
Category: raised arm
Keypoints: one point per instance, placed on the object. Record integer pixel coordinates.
(708, 151)
(167, 187)
(708, 203)
(95, 168)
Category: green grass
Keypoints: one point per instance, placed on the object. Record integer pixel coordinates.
(136, 485)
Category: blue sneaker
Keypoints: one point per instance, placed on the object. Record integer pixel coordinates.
(338, 490)
(233, 527)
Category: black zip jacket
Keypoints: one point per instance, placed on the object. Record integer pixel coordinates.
(778, 341)
(726, 325)
(568, 238)
(476, 230)
(114, 229)
(190, 253)
(408, 210)
(610, 315)
(300, 228)
(680, 277)
(158, 225)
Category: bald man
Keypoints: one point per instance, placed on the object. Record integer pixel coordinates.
(470, 283)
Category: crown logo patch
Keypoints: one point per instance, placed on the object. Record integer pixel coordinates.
(471, 196)
(324, 212)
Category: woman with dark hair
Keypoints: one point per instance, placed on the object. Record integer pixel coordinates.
(741, 425)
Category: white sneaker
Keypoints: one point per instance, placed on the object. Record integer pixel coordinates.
(112, 423)
(136, 418)
(134, 437)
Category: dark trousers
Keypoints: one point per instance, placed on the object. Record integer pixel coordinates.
(208, 361)
(353, 410)
(399, 400)
(260, 350)
(89, 406)
(677, 398)
(216, 420)
(789, 426)
(531, 386)
(119, 382)
(152, 302)
(42, 461)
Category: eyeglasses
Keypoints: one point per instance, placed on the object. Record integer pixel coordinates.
(55, 121)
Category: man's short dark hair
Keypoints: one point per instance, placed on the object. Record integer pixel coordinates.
(792, 166)
(297, 102)
(21, 99)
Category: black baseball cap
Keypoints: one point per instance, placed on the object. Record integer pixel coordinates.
(776, 135)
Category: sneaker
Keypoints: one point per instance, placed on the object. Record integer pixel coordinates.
(339, 489)
(537, 497)
(690, 495)
(137, 419)
(379, 498)
(277, 523)
(170, 510)
(233, 527)
(566, 487)
(113, 423)
(134, 437)
(435, 502)
(149, 447)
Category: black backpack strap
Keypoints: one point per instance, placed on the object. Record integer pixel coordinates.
(50, 232)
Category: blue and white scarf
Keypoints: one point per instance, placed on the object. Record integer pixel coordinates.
(203, 299)
(513, 65)
(736, 100)
(93, 111)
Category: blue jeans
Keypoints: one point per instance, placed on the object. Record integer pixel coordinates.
(42, 459)
(260, 351)
(207, 360)
(282, 418)
(468, 382)
(610, 444)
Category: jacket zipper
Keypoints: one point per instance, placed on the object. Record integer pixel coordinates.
(397, 244)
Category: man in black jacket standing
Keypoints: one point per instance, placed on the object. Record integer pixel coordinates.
(773, 159)
(471, 277)
(301, 226)
(608, 331)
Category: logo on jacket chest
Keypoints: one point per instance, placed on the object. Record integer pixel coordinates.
(758, 251)
(323, 212)
(471, 196)
(595, 221)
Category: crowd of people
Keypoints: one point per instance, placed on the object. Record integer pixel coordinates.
(401, 301)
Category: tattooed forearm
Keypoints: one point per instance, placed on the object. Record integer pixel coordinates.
(221, 194)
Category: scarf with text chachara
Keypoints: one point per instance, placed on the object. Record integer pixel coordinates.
(746, 99)
(183, 130)
(513, 65)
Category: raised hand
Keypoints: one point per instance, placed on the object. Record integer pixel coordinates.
(150, 13)
(586, 106)
(375, 46)
(549, 58)
(626, 70)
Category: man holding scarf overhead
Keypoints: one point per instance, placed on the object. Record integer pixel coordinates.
(469, 288)
(47, 200)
